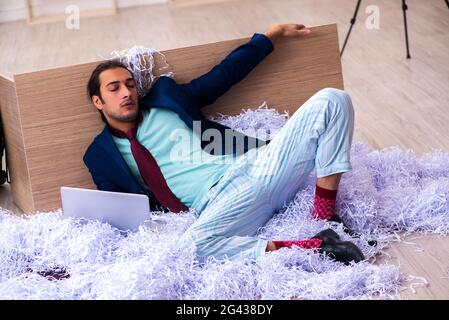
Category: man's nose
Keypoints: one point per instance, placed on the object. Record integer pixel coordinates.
(126, 92)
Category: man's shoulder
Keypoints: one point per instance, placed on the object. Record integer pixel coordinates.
(162, 82)
(162, 92)
(96, 144)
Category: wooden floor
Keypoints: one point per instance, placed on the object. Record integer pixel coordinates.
(397, 101)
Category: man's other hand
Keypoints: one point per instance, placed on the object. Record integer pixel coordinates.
(286, 30)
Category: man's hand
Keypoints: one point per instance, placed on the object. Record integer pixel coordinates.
(286, 30)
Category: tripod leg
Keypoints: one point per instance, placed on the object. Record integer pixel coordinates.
(352, 24)
(404, 10)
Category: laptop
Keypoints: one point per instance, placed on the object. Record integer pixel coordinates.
(125, 211)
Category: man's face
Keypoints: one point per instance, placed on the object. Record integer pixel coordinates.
(119, 93)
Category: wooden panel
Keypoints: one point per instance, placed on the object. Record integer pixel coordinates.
(59, 121)
(15, 150)
(294, 71)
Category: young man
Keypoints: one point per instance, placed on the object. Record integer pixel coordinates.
(239, 183)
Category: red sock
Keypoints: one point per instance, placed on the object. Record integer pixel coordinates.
(324, 204)
(305, 244)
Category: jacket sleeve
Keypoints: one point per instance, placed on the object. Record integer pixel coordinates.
(100, 180)
(103, 183)
(207, 88)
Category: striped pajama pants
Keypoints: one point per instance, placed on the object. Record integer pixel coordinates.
(318, 135)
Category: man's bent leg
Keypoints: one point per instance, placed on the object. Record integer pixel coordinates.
(246, 199)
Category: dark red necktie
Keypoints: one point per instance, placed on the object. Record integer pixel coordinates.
(149, 170)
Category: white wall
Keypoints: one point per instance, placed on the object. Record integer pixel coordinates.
(135, 3)
(15, 10)
(12, 10)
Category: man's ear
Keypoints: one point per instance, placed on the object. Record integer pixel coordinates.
(97, 102)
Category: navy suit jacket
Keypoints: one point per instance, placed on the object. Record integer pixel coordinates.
(103, 159)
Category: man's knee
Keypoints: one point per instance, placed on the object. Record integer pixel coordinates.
(341, 100)
(334, 93)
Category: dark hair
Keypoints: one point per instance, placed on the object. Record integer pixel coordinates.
(93, 86)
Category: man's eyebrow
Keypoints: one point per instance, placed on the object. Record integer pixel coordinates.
(117, 81)
(113, 82)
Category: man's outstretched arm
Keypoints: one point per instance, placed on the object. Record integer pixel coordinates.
(210, 86)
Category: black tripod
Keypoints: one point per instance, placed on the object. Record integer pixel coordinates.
(404, 10)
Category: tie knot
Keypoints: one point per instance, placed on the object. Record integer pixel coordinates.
(131, 134)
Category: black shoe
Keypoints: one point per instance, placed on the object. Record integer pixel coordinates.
(343, 251)
(347, 230)
(328, 236)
